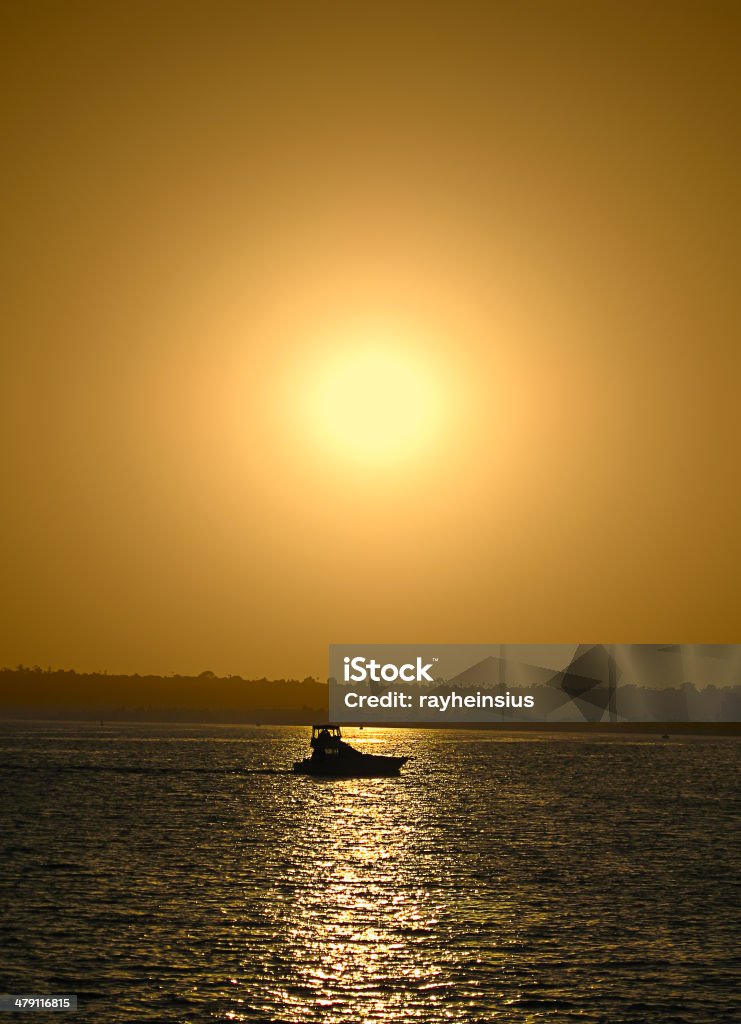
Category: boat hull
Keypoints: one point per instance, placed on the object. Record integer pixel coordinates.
(360, 766)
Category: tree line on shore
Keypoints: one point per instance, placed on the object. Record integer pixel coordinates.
(40, 692)
(100, 694)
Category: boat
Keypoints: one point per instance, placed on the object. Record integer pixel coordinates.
(332, 757)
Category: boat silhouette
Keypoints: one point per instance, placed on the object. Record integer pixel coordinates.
(331, 756)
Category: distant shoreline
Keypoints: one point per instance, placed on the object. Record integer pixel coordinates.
(64, 695)
(709, 729)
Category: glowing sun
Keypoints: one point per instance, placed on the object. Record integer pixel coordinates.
(374, 402)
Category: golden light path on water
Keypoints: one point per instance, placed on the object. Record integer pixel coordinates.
(345, 924)
(365, 900)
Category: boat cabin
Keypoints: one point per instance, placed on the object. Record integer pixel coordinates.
(326, 738)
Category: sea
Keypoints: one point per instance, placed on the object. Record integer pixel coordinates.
(183, 873)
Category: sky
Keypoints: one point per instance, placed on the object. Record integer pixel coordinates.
(366, 322)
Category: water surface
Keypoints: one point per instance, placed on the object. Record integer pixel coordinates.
(183, 874)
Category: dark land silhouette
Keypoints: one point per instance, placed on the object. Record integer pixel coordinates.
(35, 692)
(65, 693)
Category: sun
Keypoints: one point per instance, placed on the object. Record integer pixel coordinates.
(374, 401)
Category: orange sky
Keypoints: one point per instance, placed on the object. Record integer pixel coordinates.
(216, 216)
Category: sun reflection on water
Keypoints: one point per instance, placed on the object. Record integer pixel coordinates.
(363, 907)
